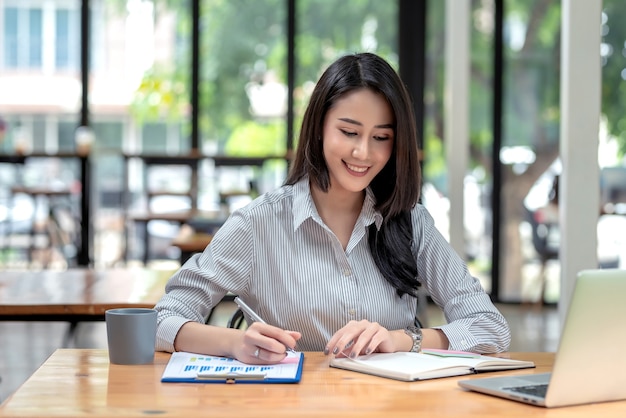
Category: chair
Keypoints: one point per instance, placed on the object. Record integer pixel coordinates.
(545, 236)
(545, 239)
(236, 320)
(63, 229)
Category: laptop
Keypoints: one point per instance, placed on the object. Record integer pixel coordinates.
(590, 363)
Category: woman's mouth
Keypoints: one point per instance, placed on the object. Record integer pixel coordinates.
(356, 169)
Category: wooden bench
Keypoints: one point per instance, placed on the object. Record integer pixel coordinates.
(77, 295)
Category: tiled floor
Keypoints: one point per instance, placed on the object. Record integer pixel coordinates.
(26, 345)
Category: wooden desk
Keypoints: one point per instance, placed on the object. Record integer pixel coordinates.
(42, 191)
(80, 382)
(78, 294)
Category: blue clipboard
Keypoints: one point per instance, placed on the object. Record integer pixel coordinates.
(186, 367)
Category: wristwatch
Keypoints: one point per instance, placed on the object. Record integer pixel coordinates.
(416, 334)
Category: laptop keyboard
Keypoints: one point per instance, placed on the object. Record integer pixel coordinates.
(535, 390)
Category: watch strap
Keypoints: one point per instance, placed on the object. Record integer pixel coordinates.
(416, 334)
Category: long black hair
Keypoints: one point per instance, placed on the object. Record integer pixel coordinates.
(397, 187)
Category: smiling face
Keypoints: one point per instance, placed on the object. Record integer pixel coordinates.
(358, 139)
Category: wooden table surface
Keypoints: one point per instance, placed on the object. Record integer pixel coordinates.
(190, 241)
(81, 382)
(78, 294)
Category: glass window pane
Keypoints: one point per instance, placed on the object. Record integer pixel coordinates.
(530, 145)
(35, 103)
(67, 47)
(477, 181)
(39, 133)
(243, 82)
(326, 32)
(35, 36)
(66, 129)
(138, 101)
(478, 178)
(434, 189)
(109, 134)
(154, 137)
(243, 92)
(62, 29)
(107, 171)
(36, 100)
(10, 37)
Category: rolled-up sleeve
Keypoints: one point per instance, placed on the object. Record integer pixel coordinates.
(201, 283)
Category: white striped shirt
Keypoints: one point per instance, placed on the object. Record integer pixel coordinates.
(286, 264)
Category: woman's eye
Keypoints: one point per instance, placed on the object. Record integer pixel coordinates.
(382, 138)
(347, 133)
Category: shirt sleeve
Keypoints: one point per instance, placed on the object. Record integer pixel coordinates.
(473, 322)
(201, 283)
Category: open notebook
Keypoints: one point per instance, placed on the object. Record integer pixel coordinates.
(589, 365)
(426, 365)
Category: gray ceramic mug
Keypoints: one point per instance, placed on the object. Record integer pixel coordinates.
(131, 335)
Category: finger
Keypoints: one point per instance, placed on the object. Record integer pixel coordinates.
(271, 338)
(288, 339)
(342, 346)
(367, 340)
(258, 355)
(278, 340)
(295, 335)
(343, 338)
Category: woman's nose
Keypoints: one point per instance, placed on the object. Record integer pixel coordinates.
(361, 149)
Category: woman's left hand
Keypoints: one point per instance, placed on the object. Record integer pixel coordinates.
(361, 338)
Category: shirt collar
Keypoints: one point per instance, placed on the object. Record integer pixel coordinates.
(368, 213)
(304, 207)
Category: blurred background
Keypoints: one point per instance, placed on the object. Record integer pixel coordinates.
(231, 78)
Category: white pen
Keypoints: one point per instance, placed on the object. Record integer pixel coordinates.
(254, 316)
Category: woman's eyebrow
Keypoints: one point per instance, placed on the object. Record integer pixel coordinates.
(356, 122)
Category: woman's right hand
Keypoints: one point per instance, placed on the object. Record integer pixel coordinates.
(264, 344)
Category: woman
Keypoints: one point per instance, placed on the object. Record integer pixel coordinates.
(333, 259)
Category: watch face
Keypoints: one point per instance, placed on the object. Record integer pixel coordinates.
(415, 331)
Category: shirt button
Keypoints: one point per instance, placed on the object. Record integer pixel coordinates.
(352, 312)
(347, 272)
